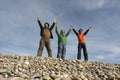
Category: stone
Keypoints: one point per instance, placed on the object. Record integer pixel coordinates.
(16, 78)
(46, 77)
(3, 71)
(16, 67)
(118, 76)
(1, 77)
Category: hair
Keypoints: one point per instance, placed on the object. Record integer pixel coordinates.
(47, 23)
(62, 31)
(80, 30)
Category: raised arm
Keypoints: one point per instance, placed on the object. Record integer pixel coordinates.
(40, 25)
(69, 31)
(74, 30)
(52, 26)
(56, 28)
(87, 30)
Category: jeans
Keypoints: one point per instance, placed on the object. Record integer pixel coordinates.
(82, 46)
(61, 50)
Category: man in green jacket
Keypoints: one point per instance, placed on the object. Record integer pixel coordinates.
(62, 41)
(46, 34)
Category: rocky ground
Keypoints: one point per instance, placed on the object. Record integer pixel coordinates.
(15, 67)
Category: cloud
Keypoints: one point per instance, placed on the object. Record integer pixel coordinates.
(98, 4)
(20, 33)
(103, 50)
(92, 4)
(100, 57)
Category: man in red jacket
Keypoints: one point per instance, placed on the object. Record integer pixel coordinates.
(81, 43)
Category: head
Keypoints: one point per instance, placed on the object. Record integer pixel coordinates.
(46, 24)
(80, 31)
(62, 32)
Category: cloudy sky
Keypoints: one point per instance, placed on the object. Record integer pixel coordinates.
(20, 33)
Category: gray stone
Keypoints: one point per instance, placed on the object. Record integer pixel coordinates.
(45, 68)
(3, 71)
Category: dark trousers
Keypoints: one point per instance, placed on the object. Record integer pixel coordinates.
(80, 47)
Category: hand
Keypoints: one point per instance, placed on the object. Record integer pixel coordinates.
(54, 20)
(71, 27)
(38, 18)
(89, 28)
(56, 24)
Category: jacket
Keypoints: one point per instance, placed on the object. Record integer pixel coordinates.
(50, 29)
(81, 37)
(62, 38)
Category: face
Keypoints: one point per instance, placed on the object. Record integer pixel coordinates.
(46, 25)
(80, 31)
(62, 32)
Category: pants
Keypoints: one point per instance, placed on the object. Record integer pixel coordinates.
(46, 43)
(61, 50)
(80, 46)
